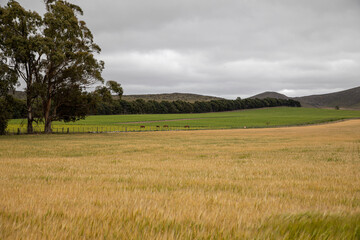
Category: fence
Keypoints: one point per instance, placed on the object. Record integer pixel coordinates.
(103, 129)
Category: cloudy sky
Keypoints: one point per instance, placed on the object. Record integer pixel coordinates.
(226, 48)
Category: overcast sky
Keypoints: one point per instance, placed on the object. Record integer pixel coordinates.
(226, 48)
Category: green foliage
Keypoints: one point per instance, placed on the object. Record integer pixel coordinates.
(18, 108)
(72, 104)
(21, 47)
(4, 117)
(115, 87)
(109, 106)
(103, 94)
(52, 53)
(7, 110)
(8, 80)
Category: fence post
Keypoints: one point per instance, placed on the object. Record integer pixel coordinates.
(19, 131)
(68, 130)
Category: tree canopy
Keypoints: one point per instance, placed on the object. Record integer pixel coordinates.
(8, 80)
(54, 54)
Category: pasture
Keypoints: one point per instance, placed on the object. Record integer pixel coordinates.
(256, 118)
(273, 183)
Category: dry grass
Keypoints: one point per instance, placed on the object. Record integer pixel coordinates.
(250, 183)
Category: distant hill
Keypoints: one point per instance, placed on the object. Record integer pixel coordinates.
(345, 99)
(349, 99)
(270, 95)
(188, 97)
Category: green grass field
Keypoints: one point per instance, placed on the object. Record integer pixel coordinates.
(256, 118)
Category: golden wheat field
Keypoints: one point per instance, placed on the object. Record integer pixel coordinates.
(278, 183)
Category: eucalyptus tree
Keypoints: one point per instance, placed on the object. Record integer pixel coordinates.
(54, 54)
(69, 61)
(8, 80)
(21, 48)
(116, 88)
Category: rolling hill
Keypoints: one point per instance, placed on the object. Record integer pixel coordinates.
(270, 95)
(348, 99)
(345, 99)
(188, 97)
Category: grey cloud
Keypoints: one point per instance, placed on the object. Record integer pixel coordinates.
(226, 48)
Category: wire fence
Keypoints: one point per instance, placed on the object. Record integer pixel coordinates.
(102, 129)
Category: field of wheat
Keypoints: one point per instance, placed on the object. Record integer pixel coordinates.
(278, 183)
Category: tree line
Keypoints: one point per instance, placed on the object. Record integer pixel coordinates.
(101, 102)
(141, 106)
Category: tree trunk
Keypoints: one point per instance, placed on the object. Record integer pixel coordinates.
(30, 129)
(48, 120)
(48, 126)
